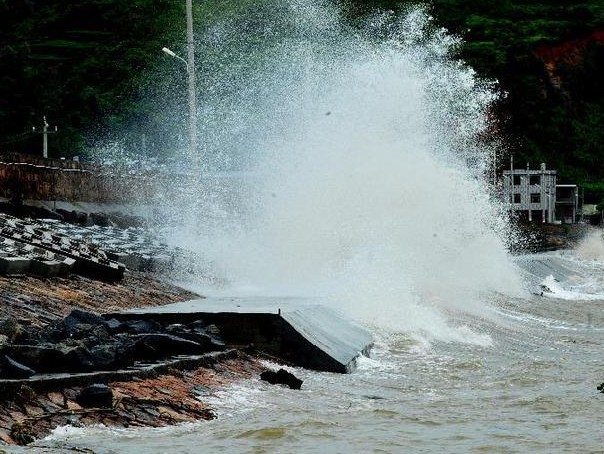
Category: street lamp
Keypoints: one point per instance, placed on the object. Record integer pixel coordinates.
(173, 54)
(190, 65)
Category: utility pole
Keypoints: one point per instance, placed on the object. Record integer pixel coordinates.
(45, 133)
(191, 74)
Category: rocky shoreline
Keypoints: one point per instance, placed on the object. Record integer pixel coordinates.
(96, 371)
(171, 397)
(63, 363)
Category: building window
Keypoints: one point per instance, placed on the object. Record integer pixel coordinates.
(516, 198)
(535, 197)
(516, 180)
(535, 180)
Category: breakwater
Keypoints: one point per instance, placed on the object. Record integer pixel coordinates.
(48, 247)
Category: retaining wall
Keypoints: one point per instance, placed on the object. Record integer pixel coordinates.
(30, 177)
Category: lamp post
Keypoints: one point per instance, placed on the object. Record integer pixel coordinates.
(173, 54)
(190, 65)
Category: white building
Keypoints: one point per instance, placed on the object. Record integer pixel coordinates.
(531, 193)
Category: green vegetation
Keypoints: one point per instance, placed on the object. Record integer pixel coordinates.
(553, 115)
(94, 68)
(82, 63)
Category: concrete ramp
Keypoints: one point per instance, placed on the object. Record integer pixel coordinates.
(539, 266)
(536, 267)
(296, 330)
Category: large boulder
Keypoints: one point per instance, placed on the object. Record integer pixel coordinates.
(95, 396)
(107, 357)
(77, 325)
(78, 316)
(281, 377)
(207, 342)
(158, 345)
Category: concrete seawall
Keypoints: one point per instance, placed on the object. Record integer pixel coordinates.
(25, 177)
(298, 331)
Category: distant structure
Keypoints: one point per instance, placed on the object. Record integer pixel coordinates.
(534, 196)
(567, 196)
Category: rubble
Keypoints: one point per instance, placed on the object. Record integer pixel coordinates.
(148, 394)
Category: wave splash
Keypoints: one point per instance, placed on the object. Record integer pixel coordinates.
(362, 180)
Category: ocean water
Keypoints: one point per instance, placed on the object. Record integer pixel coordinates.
(352, 164)
(530, 388)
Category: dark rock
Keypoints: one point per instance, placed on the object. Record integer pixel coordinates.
(124, 221)
(100, 219)
(107, 356)
(140, 350)
(126, 351)
(9, 368)
(80, 324)
(269, 376)
(176, 328)
(142, 326)
(289, 379)
(51, 333)
(281, 377)
(52, 358)
(213, 343)
(78, 316)
(46, 213)
(154, 346)
(115, 326)
(68, 216)
(601, 388)
(91, 334)
(207, 342)
(82, 218)
(97, 396)
(77, 325)
(77, 358)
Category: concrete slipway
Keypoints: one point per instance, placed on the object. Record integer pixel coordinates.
(296, 330)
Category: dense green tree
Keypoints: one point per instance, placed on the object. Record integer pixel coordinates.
(94, 67)
(81, 63)
(554, 120)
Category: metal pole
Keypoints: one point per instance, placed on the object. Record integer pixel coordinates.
(543, 193)
(45, 131)
(191, 73)
(45, 138)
